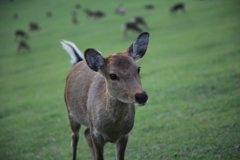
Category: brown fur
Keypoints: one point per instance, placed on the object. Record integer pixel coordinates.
(105, 106)
(21, 33)
(131, 26)
(34, 26)
(23, 44)
(177, 7)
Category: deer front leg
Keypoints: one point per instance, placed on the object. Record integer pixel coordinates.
(121, 147)
(88, 138)
(98, 145)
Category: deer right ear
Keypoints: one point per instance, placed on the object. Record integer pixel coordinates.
(94, 59)
(139, 47)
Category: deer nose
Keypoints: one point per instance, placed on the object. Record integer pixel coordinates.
(141, 98)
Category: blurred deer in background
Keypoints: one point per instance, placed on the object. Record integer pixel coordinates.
(177, 7)
(131, 26)
(149, 6)
(21, 33)
(120, 10)
(23, 45)
(139, 20)
(34, 26)
(96, 14)
(101, 94)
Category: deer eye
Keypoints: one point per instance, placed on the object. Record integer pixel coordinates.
(113, 77)
(139, 68)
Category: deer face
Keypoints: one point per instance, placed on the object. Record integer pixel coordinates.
(122, 75)
(121, 71)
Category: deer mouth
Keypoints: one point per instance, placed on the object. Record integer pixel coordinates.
(140, 104)
(138, 100)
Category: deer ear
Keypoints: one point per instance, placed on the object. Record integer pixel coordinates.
(139, 47)
(94, 59)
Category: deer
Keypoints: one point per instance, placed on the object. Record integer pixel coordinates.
(96, 14)
(177, 7)
(23, 44)
(149, 6)
(34, 26)
(101, 93)
(21, 33)
(120, 10)
(139, 20)
(131, 26)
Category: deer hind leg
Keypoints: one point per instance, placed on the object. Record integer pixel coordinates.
(121, 147)
(75, 135)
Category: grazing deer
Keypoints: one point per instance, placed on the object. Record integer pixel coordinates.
(120, 10)
(23, 44)
(139, 20)
(101, 94)
(34, 26)
(21, 33)
(149, 6)
(96, 14)
(131, 26)
(177, 7)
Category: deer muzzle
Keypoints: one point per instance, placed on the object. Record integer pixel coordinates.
(141, 98)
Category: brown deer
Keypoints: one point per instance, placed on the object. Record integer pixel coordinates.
(21, 33)
(131, 26)
(96, 14)
(33, 26)
(101, 94)
(139, 20)
(149, 6)
(23, 44)
(177, 7)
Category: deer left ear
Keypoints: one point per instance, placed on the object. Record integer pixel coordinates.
(139, 47)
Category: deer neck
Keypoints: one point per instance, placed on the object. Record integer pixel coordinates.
(117, 108)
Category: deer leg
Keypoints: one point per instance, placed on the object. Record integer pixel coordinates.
(75, 135)
(89, 141)
(121, 147)
(98, 145)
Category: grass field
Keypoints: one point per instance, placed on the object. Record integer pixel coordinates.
(191, 72)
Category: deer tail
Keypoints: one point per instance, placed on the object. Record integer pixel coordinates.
(75, 54)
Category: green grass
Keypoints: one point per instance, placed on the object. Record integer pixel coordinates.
(191, 72)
